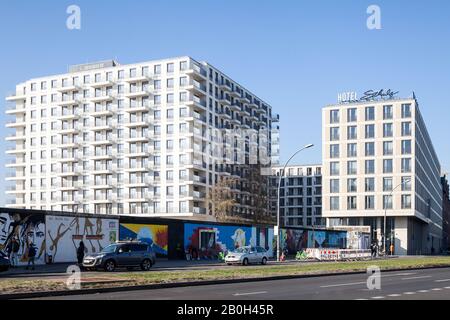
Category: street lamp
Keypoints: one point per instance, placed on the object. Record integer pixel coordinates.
(385, 213)
(282, 174)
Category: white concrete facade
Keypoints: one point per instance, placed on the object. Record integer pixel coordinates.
(371, 148)
(300, 195)
(127, 139)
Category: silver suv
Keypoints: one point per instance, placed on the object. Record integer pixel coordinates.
(122, 254)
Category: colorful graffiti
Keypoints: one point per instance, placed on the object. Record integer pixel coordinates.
(263, 237)
(208, 240)
(26, 230)
(64, 234)
(295, 240)
(155, 235)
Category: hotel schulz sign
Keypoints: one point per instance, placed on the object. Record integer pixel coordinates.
(371, 95)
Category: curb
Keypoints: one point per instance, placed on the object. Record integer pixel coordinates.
(19, 296)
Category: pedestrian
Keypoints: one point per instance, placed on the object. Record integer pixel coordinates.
(15, 248)
(391, 249)
(31, 255)
(80, 253)
(372, 250)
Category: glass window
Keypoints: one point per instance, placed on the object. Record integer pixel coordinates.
(406, 165)
(370, 166)
(370, 113)
(351, 115)
(370, 202)
(370, 149)
(352, 185)
(170, 67)
(351, 167)
(387, 166)
(387, 202)
(406, 146)
(334, 151)
(406, 129)
(334, 203)
(406, 183)
(370, 131)
(387, 184)
(351, 203)
(406, 201)
(334, 134)
(387, 112)
(370, 184)
(406, 110)
(352, 133)
(334, 168)
(388, 148)
(352, 150)
(388, 130)
(334, 185)
(334, 116)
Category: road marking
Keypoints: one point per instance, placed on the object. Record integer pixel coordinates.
(443, 280)
(423, 291)
(447, 288)
(409, 293)
(343, 284)
(361, 299)
(378, 298)
(413, 278)
(249, 293)
(394, 295)
(436, 289)
(398, 274)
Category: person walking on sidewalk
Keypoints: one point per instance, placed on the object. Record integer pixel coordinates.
(31, 255)
(80, 253)
(15, 247)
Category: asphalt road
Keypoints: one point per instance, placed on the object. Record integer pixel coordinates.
(430, 284)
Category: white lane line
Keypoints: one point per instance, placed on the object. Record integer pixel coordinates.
(394, 295)
(343, 284)
(423, 291)
(446, 287)
(443, 280)
(413, 278)
(361, 299)
(378, 298)
(398, 274)
(249, 293)
(409, 293)
(436, 289)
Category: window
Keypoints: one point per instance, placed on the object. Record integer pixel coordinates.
(370, 149)
(334, 185)
(387, 112)
(370, 131)
(351, 203)
(334, 203)
(351, 115)
(183, 65)
(406, 129)
(370, 184)
(334, 116)
(370, 202)
(387, 130)
(170, 83)
(157, 69)
(334, 168)
(388, 148)
(351, 167)
(387, 184)
(352, 133)
(406, 110)
(352, 185)
(352, 150)
(334, 134)
(406, 165)
(406, 201)
(387, 202)
(387, 166)
(370, 113)
(406, 146)
(170, 68)
(334, 151)
(406, 183)
(370, 166)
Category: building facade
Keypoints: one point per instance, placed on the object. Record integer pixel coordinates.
(300, 196)
(135, 139)
(379, 159)
(445, 213)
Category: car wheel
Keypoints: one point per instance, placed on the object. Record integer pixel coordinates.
(110, 266)
(245, 262)
(264, 261)
(146, 265)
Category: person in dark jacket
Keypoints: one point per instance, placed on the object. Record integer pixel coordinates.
(80, 253)
(31, 255)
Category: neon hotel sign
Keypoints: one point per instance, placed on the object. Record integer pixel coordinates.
(371, 95)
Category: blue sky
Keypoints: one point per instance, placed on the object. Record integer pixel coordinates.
(297, 55)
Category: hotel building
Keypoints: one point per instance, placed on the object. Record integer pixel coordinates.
(378, 158)
(300, 195)
(132, 139)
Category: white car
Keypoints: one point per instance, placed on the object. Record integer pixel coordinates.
(247, 255)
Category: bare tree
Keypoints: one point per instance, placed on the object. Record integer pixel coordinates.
(222, 198)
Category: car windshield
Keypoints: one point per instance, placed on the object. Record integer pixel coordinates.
(110, 249)
(242, 250)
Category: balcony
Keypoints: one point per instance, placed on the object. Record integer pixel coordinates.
(138, 91)
(16, 124)
(276, 118)
(69, 87)
(225, 85)
(16, 96)
(196, 88)
(15, 109)
(196, 72)
(199, 210)
(140, 77)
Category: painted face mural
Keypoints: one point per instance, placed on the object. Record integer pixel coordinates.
(5, 224)
(239, 238)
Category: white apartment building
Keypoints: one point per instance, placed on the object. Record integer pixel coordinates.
(378, 158)
(130, 139)
(300, 195)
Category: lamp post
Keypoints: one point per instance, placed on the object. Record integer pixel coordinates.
(385, 213)
(282, 175)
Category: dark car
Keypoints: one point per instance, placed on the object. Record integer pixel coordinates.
(5, 264)
(122, 254)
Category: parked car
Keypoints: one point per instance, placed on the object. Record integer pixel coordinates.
(122, 254)
(247, 255)
(5, 264)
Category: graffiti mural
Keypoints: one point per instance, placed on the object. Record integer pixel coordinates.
(26, 230)
(294, 240)
(154, 235)
(263, 237)
(208, 240)
(64, 234)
